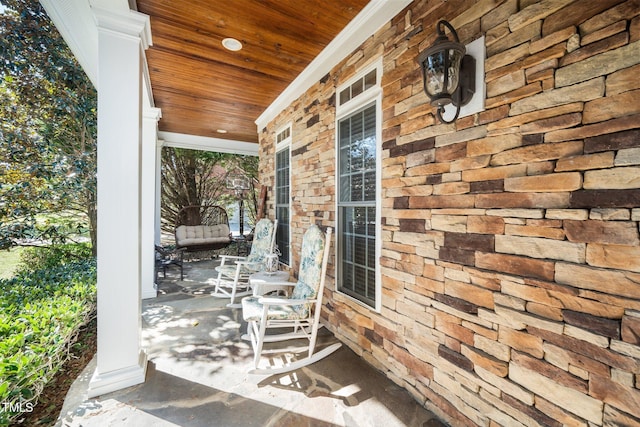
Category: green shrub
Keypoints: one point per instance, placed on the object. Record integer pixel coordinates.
(41, 311)
(39, 258)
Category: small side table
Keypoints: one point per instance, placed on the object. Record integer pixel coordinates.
(262, 277)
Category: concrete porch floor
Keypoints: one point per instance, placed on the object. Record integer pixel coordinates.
(197, 375)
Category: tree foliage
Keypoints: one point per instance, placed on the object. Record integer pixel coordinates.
(48, 129)
(198, 178)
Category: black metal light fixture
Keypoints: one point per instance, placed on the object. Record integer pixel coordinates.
(448, 74)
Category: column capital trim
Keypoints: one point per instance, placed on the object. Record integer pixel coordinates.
(152, 113)
(130, 23)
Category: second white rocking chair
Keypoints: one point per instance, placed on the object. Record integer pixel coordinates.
(299, 314)
(233, 278)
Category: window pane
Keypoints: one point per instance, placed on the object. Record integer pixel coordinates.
(357, 124)
(344, 96)
(360, 247)
(369, 186)
(348, 247)
(370, 79)
(371, 221)
(356, 188)
(282, 233)
(360, 280)
(359, 220)
(347, 276)
(345, 137)
(347, 215)
(345, 160)
(369, 153)
(371, 285)
(356, 157)
(371, 251)
(345, 188)
(369, 122)
(357, 88)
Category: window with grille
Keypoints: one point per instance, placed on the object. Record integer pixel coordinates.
(282, 194)
(358, 181)
(357, 204)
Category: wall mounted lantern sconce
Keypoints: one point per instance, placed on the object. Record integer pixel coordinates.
(448, 73)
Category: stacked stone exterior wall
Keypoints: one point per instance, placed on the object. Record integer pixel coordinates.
(510, 240)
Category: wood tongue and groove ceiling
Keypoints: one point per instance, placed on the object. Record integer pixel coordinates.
(202, 87)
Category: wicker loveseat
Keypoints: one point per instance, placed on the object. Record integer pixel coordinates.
(202, 228)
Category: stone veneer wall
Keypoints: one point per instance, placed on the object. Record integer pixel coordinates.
(511, 256)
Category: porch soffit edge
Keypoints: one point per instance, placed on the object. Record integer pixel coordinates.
(195, 142)
(368, 21)
(74, 20)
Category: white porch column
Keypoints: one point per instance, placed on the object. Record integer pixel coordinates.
(122, 38)
(148, 197)
(158, 225)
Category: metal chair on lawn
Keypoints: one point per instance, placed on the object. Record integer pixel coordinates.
(233, 277)
(297, 315)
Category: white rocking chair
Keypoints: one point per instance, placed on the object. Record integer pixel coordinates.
(233, 278)
(298, 314)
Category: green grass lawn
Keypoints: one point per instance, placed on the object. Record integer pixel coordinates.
(9, 260)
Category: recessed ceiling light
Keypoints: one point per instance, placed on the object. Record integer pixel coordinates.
(232, 44)
(221, 131)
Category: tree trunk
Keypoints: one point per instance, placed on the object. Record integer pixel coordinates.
(92, 214)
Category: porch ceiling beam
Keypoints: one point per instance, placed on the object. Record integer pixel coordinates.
(203, 143)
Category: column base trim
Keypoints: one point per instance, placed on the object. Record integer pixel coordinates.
(121, 378)
(149, 293)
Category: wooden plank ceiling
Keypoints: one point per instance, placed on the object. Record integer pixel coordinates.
(201, 87)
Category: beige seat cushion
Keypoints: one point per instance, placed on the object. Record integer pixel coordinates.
(187, 235)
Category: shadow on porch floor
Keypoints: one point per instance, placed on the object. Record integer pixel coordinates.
(197, 375)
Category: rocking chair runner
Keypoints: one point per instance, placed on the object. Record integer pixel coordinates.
(235, 276)
(300, 312)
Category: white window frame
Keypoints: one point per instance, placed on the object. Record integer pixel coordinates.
(285, 144)
(361, 101)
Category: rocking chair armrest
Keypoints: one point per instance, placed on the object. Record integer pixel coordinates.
(248, 263)
(232, 257)
(284, 301)
(276, 284)
(224, 258)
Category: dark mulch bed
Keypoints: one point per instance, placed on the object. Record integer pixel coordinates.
(47, 410)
